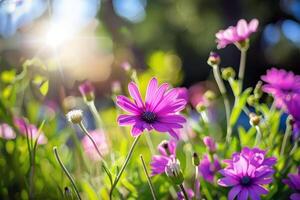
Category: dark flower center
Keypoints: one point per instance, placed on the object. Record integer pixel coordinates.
(246, 180)
(148, 117)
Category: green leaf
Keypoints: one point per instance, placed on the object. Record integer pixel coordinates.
(89, 191)
(239, 105)
(42, 84)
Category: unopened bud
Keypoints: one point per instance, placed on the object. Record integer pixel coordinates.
(258, 90)
(196, 159)
(213, 59)
(209, 95)
(164, 147)
(87, 91)
(174, 172)
(75, 116)
(254, 119)
(209, 143)
(252, 100)
(228, 73)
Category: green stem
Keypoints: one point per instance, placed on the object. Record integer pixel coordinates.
(124, 166)
(66, 172)
(150, 143)
(95, 114)
(184, 192)
(258, 136)
(196, 184)
(294, 147)
(223, 91)
(148, 178)
(286, 136)
(242, 68)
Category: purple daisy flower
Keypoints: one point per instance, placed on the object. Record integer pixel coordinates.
(281, 85)
(294, 183)
(246, 172)
(238, 33)
(293, 108)
(167, 150)
(159, 111)
(208, 169)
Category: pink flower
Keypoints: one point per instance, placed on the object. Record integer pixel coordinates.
(6, 132)
(208, 169)
(238, 33)
(89, 148)
(30, 130)
(86, 88)
(209, 143)
(294, 183)
(158, 112)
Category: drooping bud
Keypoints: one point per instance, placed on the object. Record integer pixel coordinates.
(254, 119)
(196, 159)
(174, 172)
(209, 95)
(75, 116)
(164, 145)
(87, 91)
(228, 73)
(213, 59)
(209, 143)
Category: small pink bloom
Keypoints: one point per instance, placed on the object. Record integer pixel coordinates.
(209, 143)
(89, 148)
(126, 66)
(86, 88)
(238, 33)
(30, 130)
(6, 132)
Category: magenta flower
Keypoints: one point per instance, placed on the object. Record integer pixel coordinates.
(159, 111)
(89, 148)
(294, 183)
(281, 85)
(6, 132)
(167, 150)
(189, 192)
(86, 88)
(183, 93)
(293, 108)
(246, 173)
(209, 143)
(235, 34)
(208, 169)
(30, 130)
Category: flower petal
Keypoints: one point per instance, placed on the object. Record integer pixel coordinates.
(124, 120)
(253, 25)
(135, 94)
(234, 192)
(242, 28)
(151, 89)
(227, 181)
(124, 103)
(243, 195)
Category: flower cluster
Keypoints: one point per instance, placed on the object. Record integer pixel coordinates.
(246, 172)
(294, 183)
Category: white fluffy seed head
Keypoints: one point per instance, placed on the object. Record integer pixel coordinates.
(75, 116)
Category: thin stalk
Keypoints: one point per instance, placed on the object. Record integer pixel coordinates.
(150, 143)
(223, 91)
(123, 166)
(286, 136)
(95, 114)
(184, 192)
(148, 178)
(66, 172)
(196, 184)
(242, 68)
(258, 136)
(294, 147)
(91, 138)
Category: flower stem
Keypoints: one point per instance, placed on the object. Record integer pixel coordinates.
(294, 147)
(223, 91)
(148, 178)
(286, 136)
(184, 192)
(258, 136)
(196, 185)
(66, 172)
(150, 143)
(124, 166)
(242, 67)
(95, 114)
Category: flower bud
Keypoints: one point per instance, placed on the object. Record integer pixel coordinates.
(196, 159)
(213, 59)
(75, 116)
(209, 143)
(174, 172)
(258, 90)
(165, 147)
(68, 193)
(254, 119)
(87, 91)
(126, 66)
(210, 95)
(252, 100)
(228, 73)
